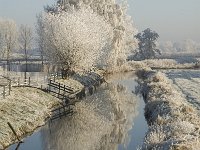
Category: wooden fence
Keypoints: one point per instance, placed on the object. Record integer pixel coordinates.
(5, 90)
(6, 87)
(63, 110)
(60, 90)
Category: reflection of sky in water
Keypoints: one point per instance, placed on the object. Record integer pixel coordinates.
(103, 121)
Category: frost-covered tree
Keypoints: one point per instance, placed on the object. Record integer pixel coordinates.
(186, 46)
(25, 41)
(40, 37)
(85, 33)
(75, 38)
(147, 44)
(8, 37)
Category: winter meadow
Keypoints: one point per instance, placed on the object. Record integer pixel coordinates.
(90, 75)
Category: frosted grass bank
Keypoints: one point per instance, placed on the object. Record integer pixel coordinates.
(26, 109)
(174, 124)
(111, 118)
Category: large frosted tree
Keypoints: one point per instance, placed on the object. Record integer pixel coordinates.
(147, 44)
(85, 33)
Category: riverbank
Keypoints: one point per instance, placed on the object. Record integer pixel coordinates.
(174, 124)
(170, 64)
(26, 109)
(110, 117)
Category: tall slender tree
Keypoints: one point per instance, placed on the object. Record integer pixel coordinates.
(40, 39)
(25, 41)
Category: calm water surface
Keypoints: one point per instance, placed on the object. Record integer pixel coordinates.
(110, 119)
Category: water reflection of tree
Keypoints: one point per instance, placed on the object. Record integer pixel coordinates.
(102, 122)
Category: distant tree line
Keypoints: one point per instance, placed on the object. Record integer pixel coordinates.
(14, 39)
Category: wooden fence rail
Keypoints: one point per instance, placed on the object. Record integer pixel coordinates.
(60, 86)
(61, 91)
(63, 110)
(5, 89)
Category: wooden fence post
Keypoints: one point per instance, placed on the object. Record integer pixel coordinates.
(58, 90)
(54, 78)
(13, 131)
(4, 92)
(29, 81)
(18, 81)
(64, 92)
(9, 87)
(49, 86)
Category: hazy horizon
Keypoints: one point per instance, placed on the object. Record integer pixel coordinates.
(176, 22)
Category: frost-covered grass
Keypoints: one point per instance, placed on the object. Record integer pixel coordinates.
(187, 82)
(37, 78)
(74, 84)
(174, 124)
(128, 66)
(26, 109)
(168, 64)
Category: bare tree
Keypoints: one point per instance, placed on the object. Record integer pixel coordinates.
(1, 43)
(25, 41)
(40, 37)
(8, 32)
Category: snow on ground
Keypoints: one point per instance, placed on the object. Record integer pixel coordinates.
(174, 123)
(169, 64)
(37, 79)
(26, 109)
(188, 82)
(128, 66)
(74, 84)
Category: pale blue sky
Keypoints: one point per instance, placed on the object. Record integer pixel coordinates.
(174, 20)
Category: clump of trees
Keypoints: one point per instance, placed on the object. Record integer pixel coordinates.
(13, 38)
(8, 38)
(147, 48)
(80, 34)
(186, 46)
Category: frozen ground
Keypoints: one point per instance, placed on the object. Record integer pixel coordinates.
(26, 109)
(188, 82)
(171, 64)
(174, 122)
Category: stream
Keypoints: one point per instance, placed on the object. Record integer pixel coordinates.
(110, 119)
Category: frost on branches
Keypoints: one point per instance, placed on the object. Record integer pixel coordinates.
(8, 38)
(80, 34)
